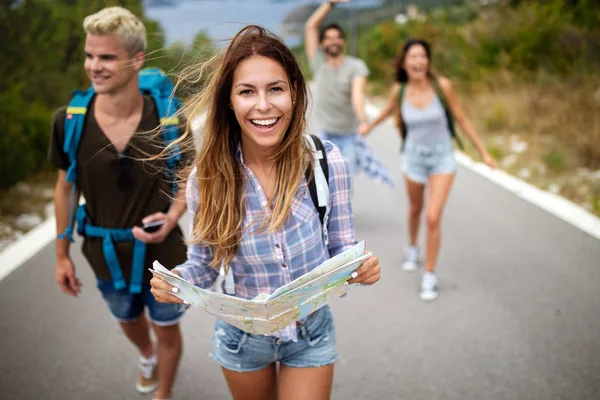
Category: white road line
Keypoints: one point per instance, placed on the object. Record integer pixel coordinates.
(17, 253)
(552, 203)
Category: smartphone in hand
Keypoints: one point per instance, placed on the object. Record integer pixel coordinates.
(152, 227)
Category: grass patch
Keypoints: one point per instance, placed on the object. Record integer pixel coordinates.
(559, 121)
(555, 160)
(496, 152)
(497, 119)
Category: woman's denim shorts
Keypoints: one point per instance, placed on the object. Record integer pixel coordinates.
(420, 161)
(239, 351)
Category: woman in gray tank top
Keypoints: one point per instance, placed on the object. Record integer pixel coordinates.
(427, 105)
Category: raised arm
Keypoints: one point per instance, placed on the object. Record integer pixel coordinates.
(463, 121)
(312, 26)
(390, 106)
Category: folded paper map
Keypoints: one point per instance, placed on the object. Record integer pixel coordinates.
(268, 313)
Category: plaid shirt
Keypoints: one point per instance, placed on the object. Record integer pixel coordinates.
(266, 261)
(369, 164)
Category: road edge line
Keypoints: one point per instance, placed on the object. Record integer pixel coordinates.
(27, 246)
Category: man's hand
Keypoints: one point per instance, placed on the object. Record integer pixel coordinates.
(66, 278)
(158, 236)
(364, 129)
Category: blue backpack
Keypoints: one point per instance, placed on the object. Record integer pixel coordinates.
(154, 82)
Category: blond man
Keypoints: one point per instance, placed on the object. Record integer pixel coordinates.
(122, 195)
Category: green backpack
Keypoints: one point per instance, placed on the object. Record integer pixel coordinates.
(449, 117)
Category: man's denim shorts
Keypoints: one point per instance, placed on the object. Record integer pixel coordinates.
(420, 161)
(127, 307)
(239, 351)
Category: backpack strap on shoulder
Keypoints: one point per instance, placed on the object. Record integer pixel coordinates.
(318, 182)
(73, 129)
(403, 127)
(449, 116)
(157, 84)
(225, 283)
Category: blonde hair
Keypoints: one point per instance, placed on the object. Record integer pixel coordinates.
(120, 22)
(220, 177)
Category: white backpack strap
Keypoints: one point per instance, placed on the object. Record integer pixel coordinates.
(224, 282)
(229, 283)
(325, 225)
(320, 181)
(218, 286)
(322, 186)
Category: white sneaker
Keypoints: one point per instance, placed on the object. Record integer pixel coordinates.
(148, 380)
(411, 258)
(428, 287)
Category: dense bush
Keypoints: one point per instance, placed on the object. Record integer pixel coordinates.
(470, 44)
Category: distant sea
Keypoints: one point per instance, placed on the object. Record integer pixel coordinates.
(222, 19)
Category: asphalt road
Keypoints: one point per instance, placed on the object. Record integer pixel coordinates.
(518, 315)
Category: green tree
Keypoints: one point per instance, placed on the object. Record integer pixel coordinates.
(42, 48)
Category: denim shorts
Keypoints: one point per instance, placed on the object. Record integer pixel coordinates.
(420, 161)
(239, 351)
(127, 307)
(347, 145)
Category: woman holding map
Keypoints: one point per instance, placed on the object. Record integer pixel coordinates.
(252, 211)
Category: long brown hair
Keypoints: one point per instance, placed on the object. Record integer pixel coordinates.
(220, 177)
